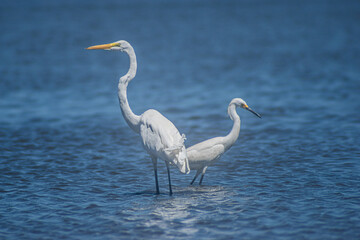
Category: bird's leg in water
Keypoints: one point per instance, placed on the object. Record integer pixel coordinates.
(154, 160)
(196, 175)
(168, 170)
(202, 175)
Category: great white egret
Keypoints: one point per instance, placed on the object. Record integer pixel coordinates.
(205, 153)
(160, 138)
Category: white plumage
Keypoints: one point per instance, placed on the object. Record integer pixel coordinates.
(160, 137)
(206, 153)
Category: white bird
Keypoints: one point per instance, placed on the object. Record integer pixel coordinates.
(160, 138)
(204, 154)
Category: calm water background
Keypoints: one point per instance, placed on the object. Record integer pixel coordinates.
(72, 169)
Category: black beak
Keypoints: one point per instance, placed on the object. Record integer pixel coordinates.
(249, 109)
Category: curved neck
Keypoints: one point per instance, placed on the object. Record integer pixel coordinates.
(131, 118)
(233, 135)
(133, 64)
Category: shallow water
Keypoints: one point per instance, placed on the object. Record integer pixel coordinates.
(72, 169)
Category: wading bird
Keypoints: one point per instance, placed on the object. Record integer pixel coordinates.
(160, 138)
(203, 154)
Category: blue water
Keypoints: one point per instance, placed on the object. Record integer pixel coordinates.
(72, 169)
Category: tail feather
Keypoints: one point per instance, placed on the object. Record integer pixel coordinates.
(182, 158)
(179, 156)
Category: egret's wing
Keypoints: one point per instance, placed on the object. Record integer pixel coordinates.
(161, 138)
(206, 151)
(207, 144)
(158, 132)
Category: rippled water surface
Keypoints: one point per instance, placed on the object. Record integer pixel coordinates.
(72, 169)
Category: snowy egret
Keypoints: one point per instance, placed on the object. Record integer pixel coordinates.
(203, 154)
(160, 138)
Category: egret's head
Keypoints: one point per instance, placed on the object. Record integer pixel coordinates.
(241, 103)
(119, 45)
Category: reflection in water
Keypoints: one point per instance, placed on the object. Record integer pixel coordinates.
(72, 169)
(187, 208)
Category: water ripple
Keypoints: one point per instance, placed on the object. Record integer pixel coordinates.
(72, 169)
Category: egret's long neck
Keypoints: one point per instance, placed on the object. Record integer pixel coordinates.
(231, 138)
(131, 118)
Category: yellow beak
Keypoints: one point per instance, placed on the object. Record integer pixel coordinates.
(103, 46)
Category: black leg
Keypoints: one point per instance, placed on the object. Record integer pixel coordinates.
(193, 180)
(168, 170)
(154, 160)
(202, 176)
(156, 182)
(196, 175)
